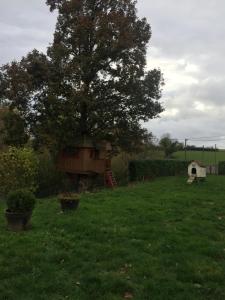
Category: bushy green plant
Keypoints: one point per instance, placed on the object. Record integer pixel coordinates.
(18, 170)
(120, 165)
(20, 201)
(49, 179)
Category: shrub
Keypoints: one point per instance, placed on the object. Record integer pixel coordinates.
(145, 169)
(49, 179)
(20, 201)
(18, 170)
(120, 165)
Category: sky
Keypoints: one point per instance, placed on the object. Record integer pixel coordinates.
(187, 44)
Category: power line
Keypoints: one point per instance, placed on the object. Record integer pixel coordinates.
(201, 139)
(195, 140)
(207, 137)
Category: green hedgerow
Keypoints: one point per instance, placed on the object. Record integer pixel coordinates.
(144, 169)
(221, 168)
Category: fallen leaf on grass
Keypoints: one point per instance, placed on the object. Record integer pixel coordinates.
(197, 285)
(128, 296)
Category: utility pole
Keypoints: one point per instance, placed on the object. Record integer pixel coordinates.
(215, 160)
(203, 152)
(185, 149)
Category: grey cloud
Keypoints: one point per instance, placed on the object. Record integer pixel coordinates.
(24, 25)
(184, 27)
(192, 31)
(212, 91)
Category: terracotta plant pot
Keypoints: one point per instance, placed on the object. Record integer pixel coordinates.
(69, 202)
(17, 221)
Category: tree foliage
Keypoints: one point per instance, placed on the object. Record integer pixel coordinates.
(93, 79)
(169, 145)
(12, 129)
(2, 113)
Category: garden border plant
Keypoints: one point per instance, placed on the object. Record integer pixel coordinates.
(69, 201)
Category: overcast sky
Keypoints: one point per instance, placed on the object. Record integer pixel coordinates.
(187, 44)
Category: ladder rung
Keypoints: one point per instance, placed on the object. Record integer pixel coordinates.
(110, 179)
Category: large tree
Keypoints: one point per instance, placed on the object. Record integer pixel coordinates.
(93, 79)
(169, 145)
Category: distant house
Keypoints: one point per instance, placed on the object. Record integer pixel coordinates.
(196, 170)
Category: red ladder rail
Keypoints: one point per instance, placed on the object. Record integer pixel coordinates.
(110, 179)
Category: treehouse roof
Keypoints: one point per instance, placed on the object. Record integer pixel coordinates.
(87, 142)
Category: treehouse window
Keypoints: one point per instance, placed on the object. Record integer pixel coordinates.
(97, 153)
(71, 152)
(92, 153)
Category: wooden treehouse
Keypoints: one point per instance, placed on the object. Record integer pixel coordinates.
(87, 160)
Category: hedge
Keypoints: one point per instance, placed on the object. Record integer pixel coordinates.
(221, 168)
(146, 169)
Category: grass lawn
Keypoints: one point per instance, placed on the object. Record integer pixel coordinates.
(158, 240)
(208, 157)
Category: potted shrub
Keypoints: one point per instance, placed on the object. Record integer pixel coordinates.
(69, 201)
(20, 204)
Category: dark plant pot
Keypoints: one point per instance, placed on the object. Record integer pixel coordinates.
(69, 204)
(18, 221)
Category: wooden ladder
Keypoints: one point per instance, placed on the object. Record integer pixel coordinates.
(110, 179)
(191, 179)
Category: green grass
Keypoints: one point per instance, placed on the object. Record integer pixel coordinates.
(158, 240)
(208, 157)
